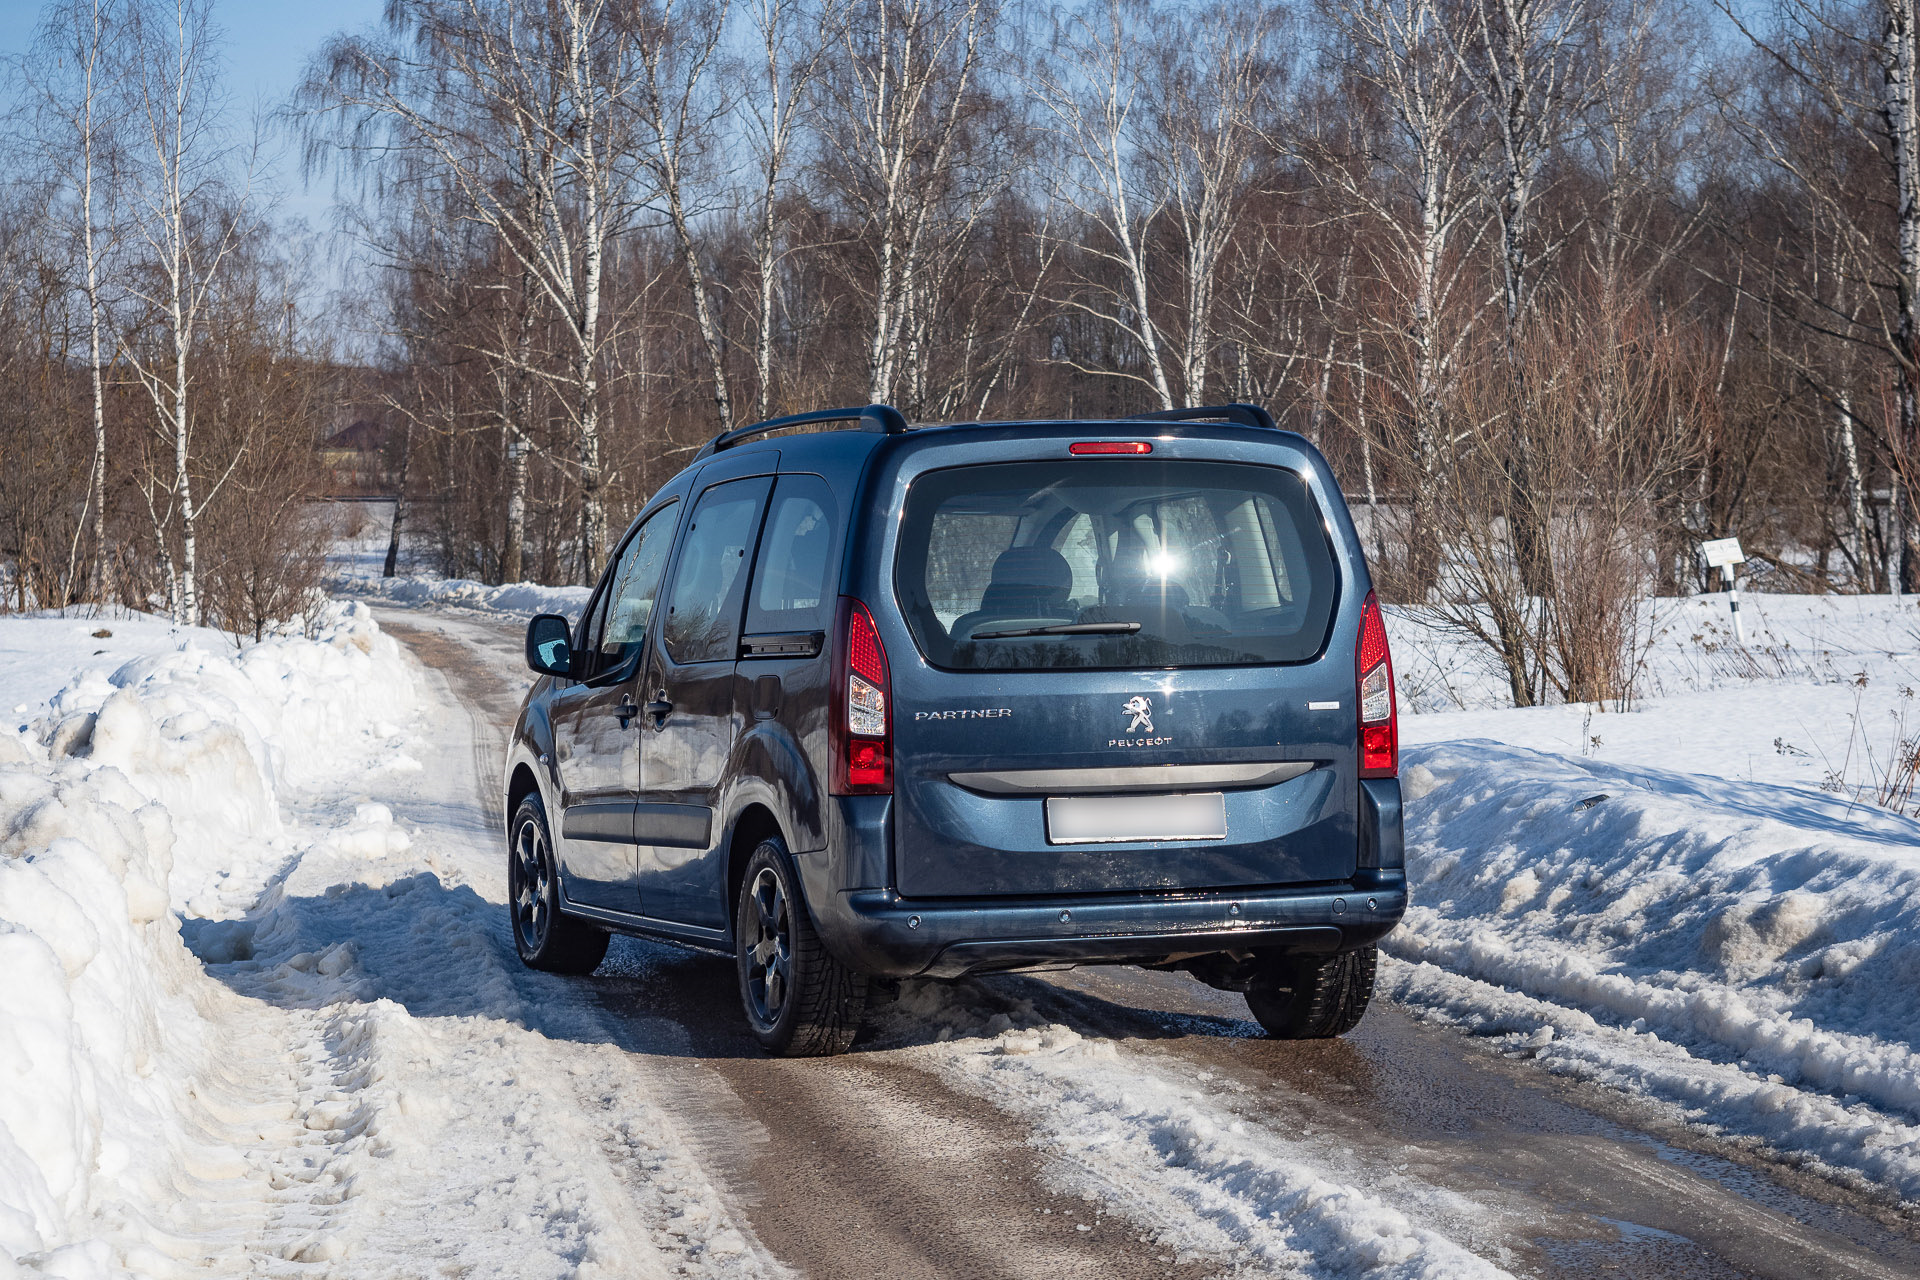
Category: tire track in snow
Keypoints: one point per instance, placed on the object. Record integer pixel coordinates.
(1602, 1182)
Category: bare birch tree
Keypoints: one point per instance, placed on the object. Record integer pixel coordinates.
(189, 219)
(679, 54)
(81, 105)
(891, 125)
(774, 86)
(504, 100)
(1091, 86)
(1216, 77)
(1526, 62)
(1834, 105)
(1412, 180)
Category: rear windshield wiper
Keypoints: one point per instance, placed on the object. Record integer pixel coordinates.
(1061, 629)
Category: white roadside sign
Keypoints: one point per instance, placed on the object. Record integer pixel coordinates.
(1722, 553)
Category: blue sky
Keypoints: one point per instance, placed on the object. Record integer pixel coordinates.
(267, 43)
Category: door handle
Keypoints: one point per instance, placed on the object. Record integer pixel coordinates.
(627, 712)
(659, 708)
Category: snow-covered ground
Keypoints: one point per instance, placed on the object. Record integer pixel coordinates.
(251, 1023)
(522, 598)
(1698, 900)
(358, 561)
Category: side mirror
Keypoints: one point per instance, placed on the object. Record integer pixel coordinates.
(550, 645)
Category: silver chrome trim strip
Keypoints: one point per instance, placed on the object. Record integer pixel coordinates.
(1125, 778)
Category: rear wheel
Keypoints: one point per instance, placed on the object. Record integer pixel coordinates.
(799, 1000)
(544, 938)
(1309, 998)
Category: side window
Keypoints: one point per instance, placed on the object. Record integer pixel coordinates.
(1080, 544)
(792, 579)
(632, 588)
(703, 611)
(962, 548)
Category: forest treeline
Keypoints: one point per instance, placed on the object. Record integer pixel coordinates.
(1562, 287)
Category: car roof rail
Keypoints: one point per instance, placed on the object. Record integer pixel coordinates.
(883, 418)
(1247, 415)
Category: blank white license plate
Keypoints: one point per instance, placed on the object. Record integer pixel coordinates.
(1128, 819)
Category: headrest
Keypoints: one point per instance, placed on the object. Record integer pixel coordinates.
(1037, 568)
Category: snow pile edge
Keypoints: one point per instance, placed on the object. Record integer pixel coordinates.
(116, 809)
(1748, 954)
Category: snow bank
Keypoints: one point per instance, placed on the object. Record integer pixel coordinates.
(132, 794)
(523, 599)
(212, 735)
(1747, 953)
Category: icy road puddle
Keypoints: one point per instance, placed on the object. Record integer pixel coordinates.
(462, 1112)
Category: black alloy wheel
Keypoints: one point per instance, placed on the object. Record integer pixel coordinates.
(799, 999)
(769, 941)
(543, 936)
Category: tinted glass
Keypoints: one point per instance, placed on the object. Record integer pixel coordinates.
(635, 583)
(792, 587)
(1161, 563)
(703, 613)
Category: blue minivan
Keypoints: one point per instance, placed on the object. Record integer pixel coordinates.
(857, 701)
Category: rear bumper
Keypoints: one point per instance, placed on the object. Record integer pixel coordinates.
(877, 931)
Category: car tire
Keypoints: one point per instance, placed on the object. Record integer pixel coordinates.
(1313, 999)
(545, 938)
(799, 1000)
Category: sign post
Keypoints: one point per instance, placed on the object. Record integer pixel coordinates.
(1723, 554)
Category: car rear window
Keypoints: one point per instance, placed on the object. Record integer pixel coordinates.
(1154, 563)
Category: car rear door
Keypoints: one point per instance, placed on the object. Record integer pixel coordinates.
(689, 712)
(1193, 731)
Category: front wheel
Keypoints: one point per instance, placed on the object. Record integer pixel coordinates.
(1307, 998)
(544, 938)
(799, 1000)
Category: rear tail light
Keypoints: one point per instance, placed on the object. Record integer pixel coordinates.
(862, 725)
(1373, 672)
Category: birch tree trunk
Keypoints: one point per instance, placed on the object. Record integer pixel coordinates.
(898, 101)
(81, 92)
(773, 97)
(92, 53)
(1853, 490)
(191, 222)
(400, 511)
(1901, 118)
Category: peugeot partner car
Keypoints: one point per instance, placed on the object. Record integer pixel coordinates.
(881, 701)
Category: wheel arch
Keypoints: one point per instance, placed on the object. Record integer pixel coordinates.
(755, 822)
(520, 785)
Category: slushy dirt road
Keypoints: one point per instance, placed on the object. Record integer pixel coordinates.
(900, 1159)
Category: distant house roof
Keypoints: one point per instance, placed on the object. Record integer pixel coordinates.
(361, 437)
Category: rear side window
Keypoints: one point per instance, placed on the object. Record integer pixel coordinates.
(793, 579)
(1114, 563)
(703, 613)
